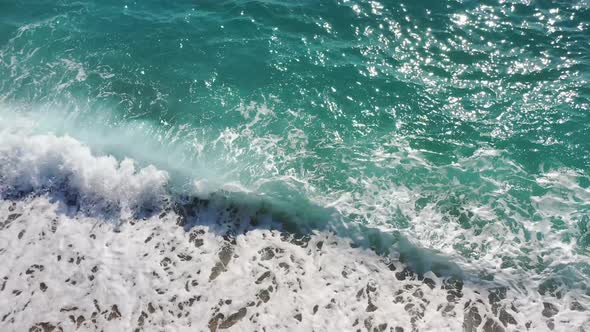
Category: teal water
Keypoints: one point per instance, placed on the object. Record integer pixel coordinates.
(464, 125)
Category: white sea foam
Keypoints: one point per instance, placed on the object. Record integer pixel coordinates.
(80, 272)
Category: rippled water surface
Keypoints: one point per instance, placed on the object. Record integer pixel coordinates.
(462, 127)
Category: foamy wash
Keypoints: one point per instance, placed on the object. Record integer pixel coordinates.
(295, 165)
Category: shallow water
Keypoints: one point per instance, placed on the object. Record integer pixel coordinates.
(448, 137)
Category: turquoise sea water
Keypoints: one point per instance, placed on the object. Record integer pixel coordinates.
(462, 125)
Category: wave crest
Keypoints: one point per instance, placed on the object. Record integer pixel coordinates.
(41, 163)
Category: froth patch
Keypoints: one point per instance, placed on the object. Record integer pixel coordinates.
(63, 272)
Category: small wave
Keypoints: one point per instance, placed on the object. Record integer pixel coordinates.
(43, 163)
(82, 184)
